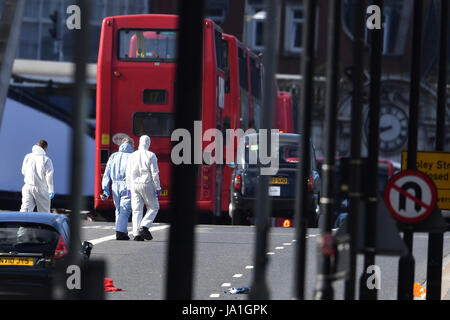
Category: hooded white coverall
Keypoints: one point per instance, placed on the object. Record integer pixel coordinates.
(115, 172)
(37, 169)
(142, 178)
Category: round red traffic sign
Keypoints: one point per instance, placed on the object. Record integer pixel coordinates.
(410, 196)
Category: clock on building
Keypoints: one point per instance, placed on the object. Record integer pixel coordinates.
(394, 119)
(393, 130)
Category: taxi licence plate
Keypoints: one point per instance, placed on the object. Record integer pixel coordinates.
(16, 261)
(279, 180)
(164, 193)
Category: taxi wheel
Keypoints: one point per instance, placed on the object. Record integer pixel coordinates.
(238, 218)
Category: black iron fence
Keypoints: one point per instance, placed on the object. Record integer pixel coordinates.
(337, 251)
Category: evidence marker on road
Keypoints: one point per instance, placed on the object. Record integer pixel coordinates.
(410, 196)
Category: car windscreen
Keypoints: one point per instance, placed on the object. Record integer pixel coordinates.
(287, 154)
(147, 45)
(156, 124)
(27, 237)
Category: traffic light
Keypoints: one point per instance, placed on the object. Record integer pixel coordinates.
(55, 30)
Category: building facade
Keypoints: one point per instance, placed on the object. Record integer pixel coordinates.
(396, 64)
(45, 37)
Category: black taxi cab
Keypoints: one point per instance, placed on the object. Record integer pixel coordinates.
(282, 193)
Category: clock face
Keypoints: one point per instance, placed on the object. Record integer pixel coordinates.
(393, 128)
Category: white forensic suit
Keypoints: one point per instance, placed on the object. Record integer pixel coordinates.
(37, 169)
(142, 178)
(115, 171)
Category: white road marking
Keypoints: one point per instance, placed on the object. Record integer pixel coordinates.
(112, 237)
(226, 284)
(445, 287)
(237, 275)
(214, 295)
(99, 227)
(279, 248)
(249, 267)
(270, 253)
(287, 244)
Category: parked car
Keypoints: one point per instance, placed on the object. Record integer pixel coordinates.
(32, 245)
(281, 191)
(386, 169)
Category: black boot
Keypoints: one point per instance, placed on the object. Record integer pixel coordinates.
(138, 238)
(144, 233)
(122, 236)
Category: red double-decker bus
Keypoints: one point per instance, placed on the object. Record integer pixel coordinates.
(135, 96)
(243, 96)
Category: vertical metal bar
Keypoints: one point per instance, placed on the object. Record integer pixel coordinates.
(373, 146)
(406, 267)
(442, 85)
(10, 26)
(183, 208)
(436, 240)
(415, 85)
(324, 288)
(80, 107)
(407, 263)
(260, 291)
(304, 119)
(355, 145)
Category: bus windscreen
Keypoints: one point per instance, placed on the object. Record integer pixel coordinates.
(156, 124)
(147, 45)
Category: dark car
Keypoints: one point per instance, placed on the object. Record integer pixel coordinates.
(386, 169)
(282, 194)
(32, 245)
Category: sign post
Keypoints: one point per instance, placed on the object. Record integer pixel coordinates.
(436, 165)
(411, 198)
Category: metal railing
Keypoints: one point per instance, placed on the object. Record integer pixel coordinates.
(183, 211)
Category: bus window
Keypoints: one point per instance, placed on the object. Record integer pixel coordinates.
(257, 116)
(256, 86)
(219, 50)
(243, 84)
(255, 74)
(243, 79)
(151, 45)
(226, 65)
(245, 116)
(157, 124)
(154, 96)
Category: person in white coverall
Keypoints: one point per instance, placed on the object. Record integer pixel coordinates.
(115, 172)
(142, 178)
(37, 169)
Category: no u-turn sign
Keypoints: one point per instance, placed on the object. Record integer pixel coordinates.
(410, 196)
